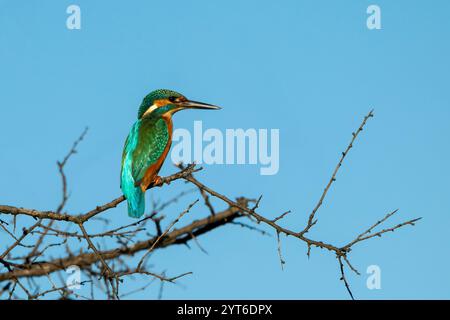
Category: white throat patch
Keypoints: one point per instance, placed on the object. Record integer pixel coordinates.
(151, 109)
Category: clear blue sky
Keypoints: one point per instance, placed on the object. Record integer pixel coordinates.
(310, 68)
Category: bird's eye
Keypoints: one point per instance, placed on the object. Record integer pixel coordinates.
(172, 99)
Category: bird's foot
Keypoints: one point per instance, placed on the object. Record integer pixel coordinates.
(157, 181)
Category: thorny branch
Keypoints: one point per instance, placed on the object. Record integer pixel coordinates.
(107, 268)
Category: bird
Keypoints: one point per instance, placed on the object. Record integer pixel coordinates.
(148, 144)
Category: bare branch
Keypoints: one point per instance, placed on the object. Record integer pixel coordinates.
(107, 266)
(311, 220)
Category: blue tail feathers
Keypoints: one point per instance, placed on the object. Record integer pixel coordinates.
(133, 194)
(136, 203)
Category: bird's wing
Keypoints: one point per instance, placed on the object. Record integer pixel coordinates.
(152, 140)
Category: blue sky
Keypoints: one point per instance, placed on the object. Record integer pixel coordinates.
(309, 68)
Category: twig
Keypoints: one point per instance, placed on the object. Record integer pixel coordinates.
(341, 267)
(282, 262)
(311, 220)
(164, 233)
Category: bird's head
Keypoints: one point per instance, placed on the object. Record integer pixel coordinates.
(163, 101)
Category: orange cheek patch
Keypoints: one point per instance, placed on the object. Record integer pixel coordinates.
(161, 102)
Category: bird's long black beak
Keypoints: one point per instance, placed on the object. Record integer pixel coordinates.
(189, 104)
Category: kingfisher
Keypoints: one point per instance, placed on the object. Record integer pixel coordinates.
(148, 144)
